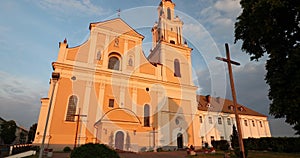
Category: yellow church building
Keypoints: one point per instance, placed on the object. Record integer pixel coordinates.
(109, 92)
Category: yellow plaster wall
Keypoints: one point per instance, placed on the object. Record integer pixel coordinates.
(147, 69)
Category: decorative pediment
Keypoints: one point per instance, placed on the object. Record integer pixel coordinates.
(118, 26)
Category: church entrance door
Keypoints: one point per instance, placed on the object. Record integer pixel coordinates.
(179, 141)
(119, 140)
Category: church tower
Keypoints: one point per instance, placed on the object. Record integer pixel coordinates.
(169, 47)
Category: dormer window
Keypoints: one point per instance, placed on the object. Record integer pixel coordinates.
(230, 107)
(241, 109)
(208, 105)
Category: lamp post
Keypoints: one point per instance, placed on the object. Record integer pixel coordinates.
(55, 78)
(229, 62)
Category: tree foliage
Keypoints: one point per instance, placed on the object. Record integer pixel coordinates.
(8, 131)
(272, 27)
(234, 138)
(31, 133)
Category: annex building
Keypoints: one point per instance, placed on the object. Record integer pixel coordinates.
(109, 92)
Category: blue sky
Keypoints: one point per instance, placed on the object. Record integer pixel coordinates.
(30, 31)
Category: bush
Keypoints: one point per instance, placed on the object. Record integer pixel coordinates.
(94, 151)
(220, 145)
(237, 152)
(67, 149)
(287, 145)
(159, 149)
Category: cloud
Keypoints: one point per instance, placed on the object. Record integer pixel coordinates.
(281, 129)
(219, 19)
(20, 98)
(81, 7)
(251, 87)
(231, 7)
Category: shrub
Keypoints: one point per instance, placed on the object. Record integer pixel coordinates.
(220, 145)
(94, 151)
(274, 144)
(67, 149)
(143, 149)
(159, 149)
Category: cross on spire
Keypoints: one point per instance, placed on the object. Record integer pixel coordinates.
(119, 12)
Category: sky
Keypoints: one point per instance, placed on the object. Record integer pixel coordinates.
(30, 31)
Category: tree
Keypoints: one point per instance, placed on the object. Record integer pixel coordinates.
(272, 27)
(8, 131)
(234, 138)
(31, 133)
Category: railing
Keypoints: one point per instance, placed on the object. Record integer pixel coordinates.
(7, 150)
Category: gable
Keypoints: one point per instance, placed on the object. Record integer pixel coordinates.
(116, 25)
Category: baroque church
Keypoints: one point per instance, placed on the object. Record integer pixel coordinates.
(109, 92)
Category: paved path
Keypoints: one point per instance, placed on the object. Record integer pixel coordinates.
(173, 154)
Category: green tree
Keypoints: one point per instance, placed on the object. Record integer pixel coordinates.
(8, 131)
(31, 133)
(234, 138)
(272, 27)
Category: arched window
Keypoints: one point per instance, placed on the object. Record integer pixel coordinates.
(177, 68)
(114, 62)
(147, 115)
(71, 108)
(169, 13)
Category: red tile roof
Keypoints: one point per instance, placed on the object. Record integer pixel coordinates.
(223, 105)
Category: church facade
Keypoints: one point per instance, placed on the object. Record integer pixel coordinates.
(109, 92)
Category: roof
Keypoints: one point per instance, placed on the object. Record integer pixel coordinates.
(1, 119)
(116, 25)
(226, 106)
(165, 1)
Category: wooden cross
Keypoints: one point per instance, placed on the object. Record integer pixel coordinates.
(77, 125)
(229, 62)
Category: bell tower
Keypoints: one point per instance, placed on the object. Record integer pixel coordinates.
(169, 26)
(168, 46)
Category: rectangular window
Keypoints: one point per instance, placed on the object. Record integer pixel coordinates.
(222, 137)
(111, 103)
(253, 123)
(245, 122)
(219, 120)
(210, 120)
(228, 121)
(200, 119)
(260, 124)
